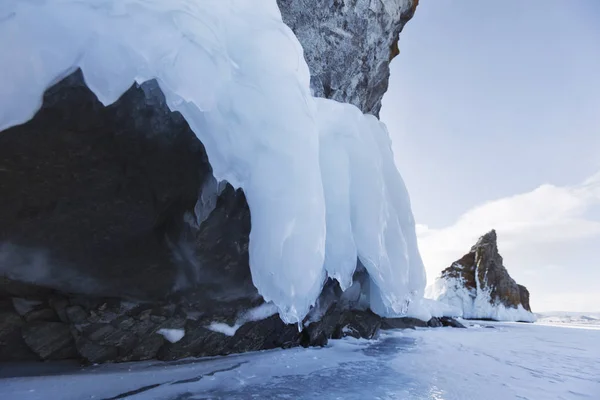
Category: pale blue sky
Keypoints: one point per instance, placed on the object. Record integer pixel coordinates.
(491, 100)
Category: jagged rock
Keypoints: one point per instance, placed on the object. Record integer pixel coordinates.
(76, 314)
(434, 323)
(481, 287)
(44, 314)
(339, 314)
(12, 345)
(9, 319)
(23, 306)
(342, 323)
(106, 190)
(59, 305)
(147, 348)
(266, 334)
(96, 353)
(361, 324)
(50, 340)
(100, 207)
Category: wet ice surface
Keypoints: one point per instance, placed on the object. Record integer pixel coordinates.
(505, 361)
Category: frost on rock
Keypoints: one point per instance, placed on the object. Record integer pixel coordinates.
(476, 305)
(425, 309)
(318, 176)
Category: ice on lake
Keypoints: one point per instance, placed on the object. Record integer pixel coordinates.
(487, 361)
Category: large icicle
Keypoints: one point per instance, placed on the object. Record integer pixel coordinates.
(237, 74)
(368, 209)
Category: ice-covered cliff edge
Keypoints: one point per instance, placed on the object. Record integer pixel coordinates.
(237, 75)
(112, 210)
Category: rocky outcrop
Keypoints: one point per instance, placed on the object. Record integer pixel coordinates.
(112, 226)
(348, 45)
(481, 287)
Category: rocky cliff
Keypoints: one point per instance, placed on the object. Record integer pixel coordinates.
(348, 45)
(481, 287)
(112, 226)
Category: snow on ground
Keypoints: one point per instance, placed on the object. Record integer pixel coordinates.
(491, 361)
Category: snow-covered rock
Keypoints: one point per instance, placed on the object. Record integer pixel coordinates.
(480, 287)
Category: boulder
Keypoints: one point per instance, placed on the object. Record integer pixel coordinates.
(50, 340)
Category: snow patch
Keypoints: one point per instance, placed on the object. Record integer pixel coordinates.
(261, 312)
(319, 176)
(172, 335)
(258, 313)
(223, 328)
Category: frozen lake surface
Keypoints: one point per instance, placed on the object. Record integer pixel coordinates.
(487, 361)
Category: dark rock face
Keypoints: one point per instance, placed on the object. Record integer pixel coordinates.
(348, 45)
(102, 200)
(112, 226)
(114, 202)
(49, 340)
(482, 269)
(12, 344)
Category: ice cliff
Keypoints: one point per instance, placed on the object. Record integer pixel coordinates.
(172, 153)
(479, 285)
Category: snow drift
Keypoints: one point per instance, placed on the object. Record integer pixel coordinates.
(318, 176)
